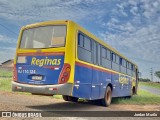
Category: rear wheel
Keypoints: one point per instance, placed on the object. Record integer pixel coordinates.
(106, 101)
(73, 99)
(65, 97)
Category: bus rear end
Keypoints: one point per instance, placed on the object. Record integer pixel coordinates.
(40, 66)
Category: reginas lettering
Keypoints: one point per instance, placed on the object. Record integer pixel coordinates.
(46, 61)
(123, 79)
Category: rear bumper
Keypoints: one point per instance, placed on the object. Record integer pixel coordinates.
(61, 89)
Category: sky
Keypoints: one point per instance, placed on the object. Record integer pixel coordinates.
(130, 26)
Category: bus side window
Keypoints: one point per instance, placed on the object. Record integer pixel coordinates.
(117, 59)
(80, 40)
(129, 71)
(108, 54)
(132, 67)
(124, 63)
(127, 64)
(123, 68)
(84, 48)
(120, 60)
(113, 57)
(99, 54)
(94, 52)
(87, 43)
(103, 52)
(133, 71)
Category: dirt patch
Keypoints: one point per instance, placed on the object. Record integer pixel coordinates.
(15, 101)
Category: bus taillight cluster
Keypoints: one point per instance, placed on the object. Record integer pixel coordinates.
(65, 73)
(14, 73)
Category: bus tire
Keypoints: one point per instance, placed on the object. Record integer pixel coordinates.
(106, 101)
(65, 97)
(72, 99)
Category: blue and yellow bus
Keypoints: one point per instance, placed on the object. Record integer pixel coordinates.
(61, 57)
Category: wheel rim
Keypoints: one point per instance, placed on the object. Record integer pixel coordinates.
(108, 96)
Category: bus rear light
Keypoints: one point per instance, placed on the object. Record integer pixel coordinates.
(63, 79)
(17, 87)
(14, 73)
(53, 89)
(68, 69)
(65, 73)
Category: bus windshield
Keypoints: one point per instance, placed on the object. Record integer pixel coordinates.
(43, 37)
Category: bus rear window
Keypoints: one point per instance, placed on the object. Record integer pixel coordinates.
(44, 37)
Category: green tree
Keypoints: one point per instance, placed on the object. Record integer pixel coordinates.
(157, 74)
(144, 79)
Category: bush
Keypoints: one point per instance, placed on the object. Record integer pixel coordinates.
(144, 80)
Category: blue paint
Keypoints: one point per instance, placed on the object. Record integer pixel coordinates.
(49, 75)
(92, 84)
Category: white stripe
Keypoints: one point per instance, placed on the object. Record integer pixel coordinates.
(56, 68)
(19, 67)
(78, 81)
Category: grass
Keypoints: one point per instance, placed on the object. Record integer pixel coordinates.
(150, 84)
(142, 98)
(57, 96)
(5, 84)
(5, 73)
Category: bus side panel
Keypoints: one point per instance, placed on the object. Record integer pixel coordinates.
(105, 80)
(121, 89)
(115, 82)
(96, 84)
(129, 87)
(90, 83)
(126, 88)
(100, 81)
(82, 84)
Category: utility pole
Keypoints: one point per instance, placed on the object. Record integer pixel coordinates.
(151, 74)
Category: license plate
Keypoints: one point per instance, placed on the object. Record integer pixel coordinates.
(37, 77)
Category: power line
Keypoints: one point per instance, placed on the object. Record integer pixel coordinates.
(8, 29)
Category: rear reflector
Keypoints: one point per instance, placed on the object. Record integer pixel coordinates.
(53, 89)
(17, 87)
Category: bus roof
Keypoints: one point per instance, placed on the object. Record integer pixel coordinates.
(83, 30)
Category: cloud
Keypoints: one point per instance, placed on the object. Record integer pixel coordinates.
(31, 11)
(151, 8)
(7, 48)
(136, 34)
(6, 39)
(6, 53)
(145, 41)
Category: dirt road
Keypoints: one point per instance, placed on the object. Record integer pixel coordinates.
(14, 101)
(21, 102)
